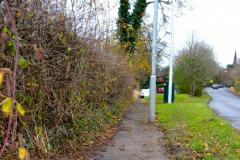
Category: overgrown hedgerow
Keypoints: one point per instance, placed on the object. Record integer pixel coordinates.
(72, 91)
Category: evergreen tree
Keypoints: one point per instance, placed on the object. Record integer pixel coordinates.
(123, 21)
(128, 25)
(136, 21)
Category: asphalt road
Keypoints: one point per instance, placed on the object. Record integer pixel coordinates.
(226, 105)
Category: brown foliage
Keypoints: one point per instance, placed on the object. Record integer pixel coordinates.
(72, 91)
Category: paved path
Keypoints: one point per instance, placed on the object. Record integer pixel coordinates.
(226, 105)
(136, 140)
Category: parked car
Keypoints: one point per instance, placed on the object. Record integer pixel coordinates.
(160, 90)
(220, 86)
(144, 93)
(216, 86)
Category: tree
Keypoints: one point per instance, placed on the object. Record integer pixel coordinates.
(123, 21)
(195, 66)
(129, 24)
(235, 76)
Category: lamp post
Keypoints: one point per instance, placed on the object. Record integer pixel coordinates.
(152, 99)
(170, 83)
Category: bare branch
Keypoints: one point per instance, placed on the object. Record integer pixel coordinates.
(13, 88)
(166, 2)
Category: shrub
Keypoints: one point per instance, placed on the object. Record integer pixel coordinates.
(237, 85)
(72, 90)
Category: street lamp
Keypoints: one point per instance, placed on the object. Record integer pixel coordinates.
(152, 99)
(170, 83)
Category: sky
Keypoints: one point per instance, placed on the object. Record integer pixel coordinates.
(217, 22)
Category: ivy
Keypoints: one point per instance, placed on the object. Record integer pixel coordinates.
(128, 25)
(23, 63)
(6, 30)
(123, 21)
(138, 12)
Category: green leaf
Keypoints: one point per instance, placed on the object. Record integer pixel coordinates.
(80, 52)
(31, 15)
(12, 46)
(23, 63)
(69, 50)
(14, 37)
(27, 99)
(6, 30)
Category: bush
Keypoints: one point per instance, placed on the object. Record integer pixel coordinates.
(237, 85)
(235, 76)
(72, 91)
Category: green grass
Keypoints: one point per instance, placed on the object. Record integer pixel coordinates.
(193, 130)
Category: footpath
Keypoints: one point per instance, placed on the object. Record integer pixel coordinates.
(136, 139)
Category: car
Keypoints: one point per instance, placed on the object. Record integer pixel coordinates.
(220, 85)
(216, 86)
(160, 90)
(144, 93)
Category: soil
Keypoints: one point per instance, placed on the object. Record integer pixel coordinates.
(136, 139)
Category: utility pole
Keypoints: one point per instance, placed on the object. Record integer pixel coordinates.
(153, 65)
(170, 83)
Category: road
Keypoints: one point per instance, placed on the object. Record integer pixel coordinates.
(226, 105)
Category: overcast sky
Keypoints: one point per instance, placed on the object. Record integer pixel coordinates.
(215, 21)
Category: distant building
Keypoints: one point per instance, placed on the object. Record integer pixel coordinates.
(235, 60)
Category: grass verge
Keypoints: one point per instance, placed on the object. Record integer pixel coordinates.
(194, 131)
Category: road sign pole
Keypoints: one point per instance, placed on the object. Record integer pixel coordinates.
(152, 100)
